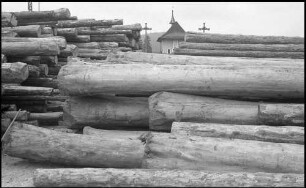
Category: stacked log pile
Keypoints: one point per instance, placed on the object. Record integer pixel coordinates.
(206, 44)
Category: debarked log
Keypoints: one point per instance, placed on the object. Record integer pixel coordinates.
(111, 177)
(279, 134)
(106, 112)
(40, 144)
(164, 150)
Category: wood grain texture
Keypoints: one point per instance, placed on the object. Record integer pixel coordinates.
(14, 72)
(25, 31)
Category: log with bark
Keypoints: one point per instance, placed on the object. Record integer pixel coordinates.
(235, 53)
(9, 107)
(44, 69)
(37, 48)
(32, 122)
(37, 22)
(89, 45)
(61, 41)
(24, 102)
(281, 134)
(3, 58)
(49, 60)
(34, 71)
(25, 31)
(37, 108)
(109, 134)
(33, 98)
(59, 128)
(133, 27)
(70, 50)
(8, 34)
(112, 177)
(14, 90)
(244, 47)
(47, 30)
(164, 150)
(93, 53)
(166, 107)
(109, 38)
(67, 32)
(241, 39)
(79, 39)
(8, 19)
(104, 31)
(54, 70)
(22, 115)
(226, 80)
(88, 23)
(30, 60)
(40, 144)
(41, 82)
(5, 123)
(107, 112)
(14, 72)
(58, 14)
(108, 45)
(49, 116)
(55, 106)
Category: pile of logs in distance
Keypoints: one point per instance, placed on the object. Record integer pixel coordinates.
(164, 120)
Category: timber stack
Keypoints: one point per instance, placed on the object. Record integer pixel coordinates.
(225, 45)
(158, 119)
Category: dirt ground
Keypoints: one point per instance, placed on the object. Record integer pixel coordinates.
(16, 172)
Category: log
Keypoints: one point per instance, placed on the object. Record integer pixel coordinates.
(13, 90)
(73, 149)
(32, 122)
(8, 34)
(37, 22)
(25, 31)
(54, 70)
(62, 60)
(281, 114)
(70, 50)
(47, 30)
(109, 38)
(22, 116)
(93, 53)
(40, 48)
(44, 69)
(14, 72)
(62, 13)
(49, 60)
(34, 98)
(30, 60)
(237, 81)
(9, 107)
(38, 108)
(109, 134)
(112, 177)
(23, 102)
(241, 39)
(234, 53)
(8, 19)
(63, 129)
(106, 112)
(34, 71)
(280, 134)
(55, 106)
(103, 31)
(168, 151)
(133, 27)
(67, 32)
(61, 41)
(124, 49)
(244, 47)
(79, 39)
(88, 23)
(89, 45)
(49, 116)
(5, 123)
(41, 82)
(108, 45)
(3, 58)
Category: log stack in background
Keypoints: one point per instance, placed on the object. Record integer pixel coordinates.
(206, 44)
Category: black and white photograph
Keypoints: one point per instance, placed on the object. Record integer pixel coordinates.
(152, 94)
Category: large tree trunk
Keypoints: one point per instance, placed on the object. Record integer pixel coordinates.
(107, 112)
(41, 82)
(244, 47)
(242, 39)
(25, 31)
(109, 38)
(166, 108)
(235, 53)
(109, 134)
(133, 27)
(14, 72)
(40, 144)
(88, 23)
(57, 14)
(36, 48)
(164, 150)
(8, 19)
(281, 114)
(239, 81)
(61, 41)
(26, 90)
(282, 134)
(79, 39)
(70, 50)
(90, 45)
(111, 177)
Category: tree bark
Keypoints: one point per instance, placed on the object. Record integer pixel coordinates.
(34, 98)
(90, 45)
(25, 31)
(49, 60)
(61, 41)
(281, 114)
(281, 134)
(3, 58)
(237, 81)
(44, 69)
(37, 22)
(79, 39)
(133, 27)
(34, 71)
(67, 32)
(8, 34)
(108, 45)
(55, 106)
(10, 107)
(8, 19)
(234, 53)
(62, 13)
(70, 50)
(22, 116)
(54, 70)
(63, 129)
(93, 53)
(47, 30)
(11, 90)
(88, 23)
(37, 108)
(107, 112)
(73, 149)
(109, 38)
(105, 31)
(14, 72)
(30, 60)
(241, 39)
(164, 150)
(41, 82)
(49, 116)
(32, 122)
(244, 47)
(111, 177)
(5, 123)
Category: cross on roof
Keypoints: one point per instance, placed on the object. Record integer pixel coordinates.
(146, 27)
(204, 28)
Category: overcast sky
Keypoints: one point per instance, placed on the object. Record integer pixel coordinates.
(249, 18)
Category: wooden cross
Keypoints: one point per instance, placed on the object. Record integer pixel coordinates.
(30, 6)
(204, 28)
(146, 28)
